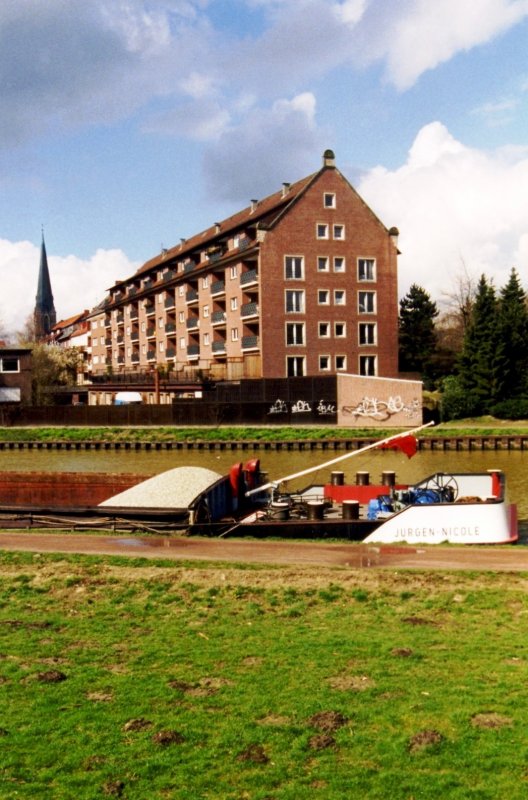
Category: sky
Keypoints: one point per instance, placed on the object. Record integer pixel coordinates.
(126, 125)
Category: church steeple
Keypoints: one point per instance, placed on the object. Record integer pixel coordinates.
(44, 316)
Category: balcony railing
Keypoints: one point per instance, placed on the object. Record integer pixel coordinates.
(218, 287)
(170, 327)
(250, 342)
(150, 308)
(244, 242)
(249, 310)
(192, 322)
(170, 352)
(191, 296)
(151, 331)
(217, 317)
(169, 302)
(219, 347)
(169, 275)
(188, 266)
(250, 276)
(135, 358)
(151, 355)
(193, 351)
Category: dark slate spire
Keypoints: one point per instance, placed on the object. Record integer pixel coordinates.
(44, 316)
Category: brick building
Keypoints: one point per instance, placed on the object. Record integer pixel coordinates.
(15, 376)
(303, 282)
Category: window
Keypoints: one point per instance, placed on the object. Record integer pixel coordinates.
(366, 269)
(339, 297)
(339, 264)
(181, 316)
(295, 333)
(234, 271)
(161, 347)
(9, 364)
(367, 365)
(294, 366)
(206, 311)
(181, 290)
(160, 322)
(323, 264)
(182, 343)
(339, 232)
(294, 301)
(340, 330)
(340, 362)
(143, 327)
(206, 339)
(367, 333)
(367, 302)
(321, 230)
(329, 200)
(234, 304)
(323, 297)
(324, 363)
(234, 334)
(294, 268)
(205, 281)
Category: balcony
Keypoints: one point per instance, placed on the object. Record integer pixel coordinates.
(191, 296)
(168, 276)
(218, 287)
(150, 308)
(250, 343)
(244, 242)
(216, 255)
(218, 347)
(249, 277)
(120, 359)
(188, 266)
(151, 355)
(249, 310)
(193, 351)
(169, 302)
(170, 327)
(120, 319)
(192, 322)
(170, 352)
(218, 317)
(151, 332)
(135, 358)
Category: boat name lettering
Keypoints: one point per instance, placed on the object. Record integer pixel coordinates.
(456, 531)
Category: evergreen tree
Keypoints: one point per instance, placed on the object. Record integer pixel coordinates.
(511, 361)
(417, 337)
(476, 367)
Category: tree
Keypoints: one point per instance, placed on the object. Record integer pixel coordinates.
(476, 365)
(417, 337)
(511, 359)
(52, 367)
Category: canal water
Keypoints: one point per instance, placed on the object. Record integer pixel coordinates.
(513, 462)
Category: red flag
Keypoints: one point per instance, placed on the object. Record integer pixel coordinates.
(407, 444)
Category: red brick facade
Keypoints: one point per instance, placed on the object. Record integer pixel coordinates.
(303, 282)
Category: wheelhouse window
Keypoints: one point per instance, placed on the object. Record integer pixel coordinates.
(295, 333)
(366, 269)
(294, 268)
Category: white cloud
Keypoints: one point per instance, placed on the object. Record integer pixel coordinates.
(76, 284)
(268, 147)
(419, 35)
(454, 204)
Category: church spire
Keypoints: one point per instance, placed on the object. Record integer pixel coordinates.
(44, 315)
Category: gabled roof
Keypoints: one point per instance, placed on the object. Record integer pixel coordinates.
(261, 212)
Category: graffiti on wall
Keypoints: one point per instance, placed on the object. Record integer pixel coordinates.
(323, 409)
(381, 410)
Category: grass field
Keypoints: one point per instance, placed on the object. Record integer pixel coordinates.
(136, 679)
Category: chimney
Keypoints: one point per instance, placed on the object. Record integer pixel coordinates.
(328, 158)
(394, 233)
(254, 204)
(285, 188)
(217, 227)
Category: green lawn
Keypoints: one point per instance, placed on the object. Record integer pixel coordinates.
(136, 679)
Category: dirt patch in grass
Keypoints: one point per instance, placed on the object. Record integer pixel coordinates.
(327, 721)
(321, 741)
(351, 683)
(254, 753)
(490, 719)
(138, 724)
(51, 676)
(418, 621)
(424, 739)
(401, 652)
(165, 738)
(274, 720)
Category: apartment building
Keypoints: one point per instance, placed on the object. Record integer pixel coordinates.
(300, 283)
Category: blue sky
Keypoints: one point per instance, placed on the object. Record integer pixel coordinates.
(127, 124)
